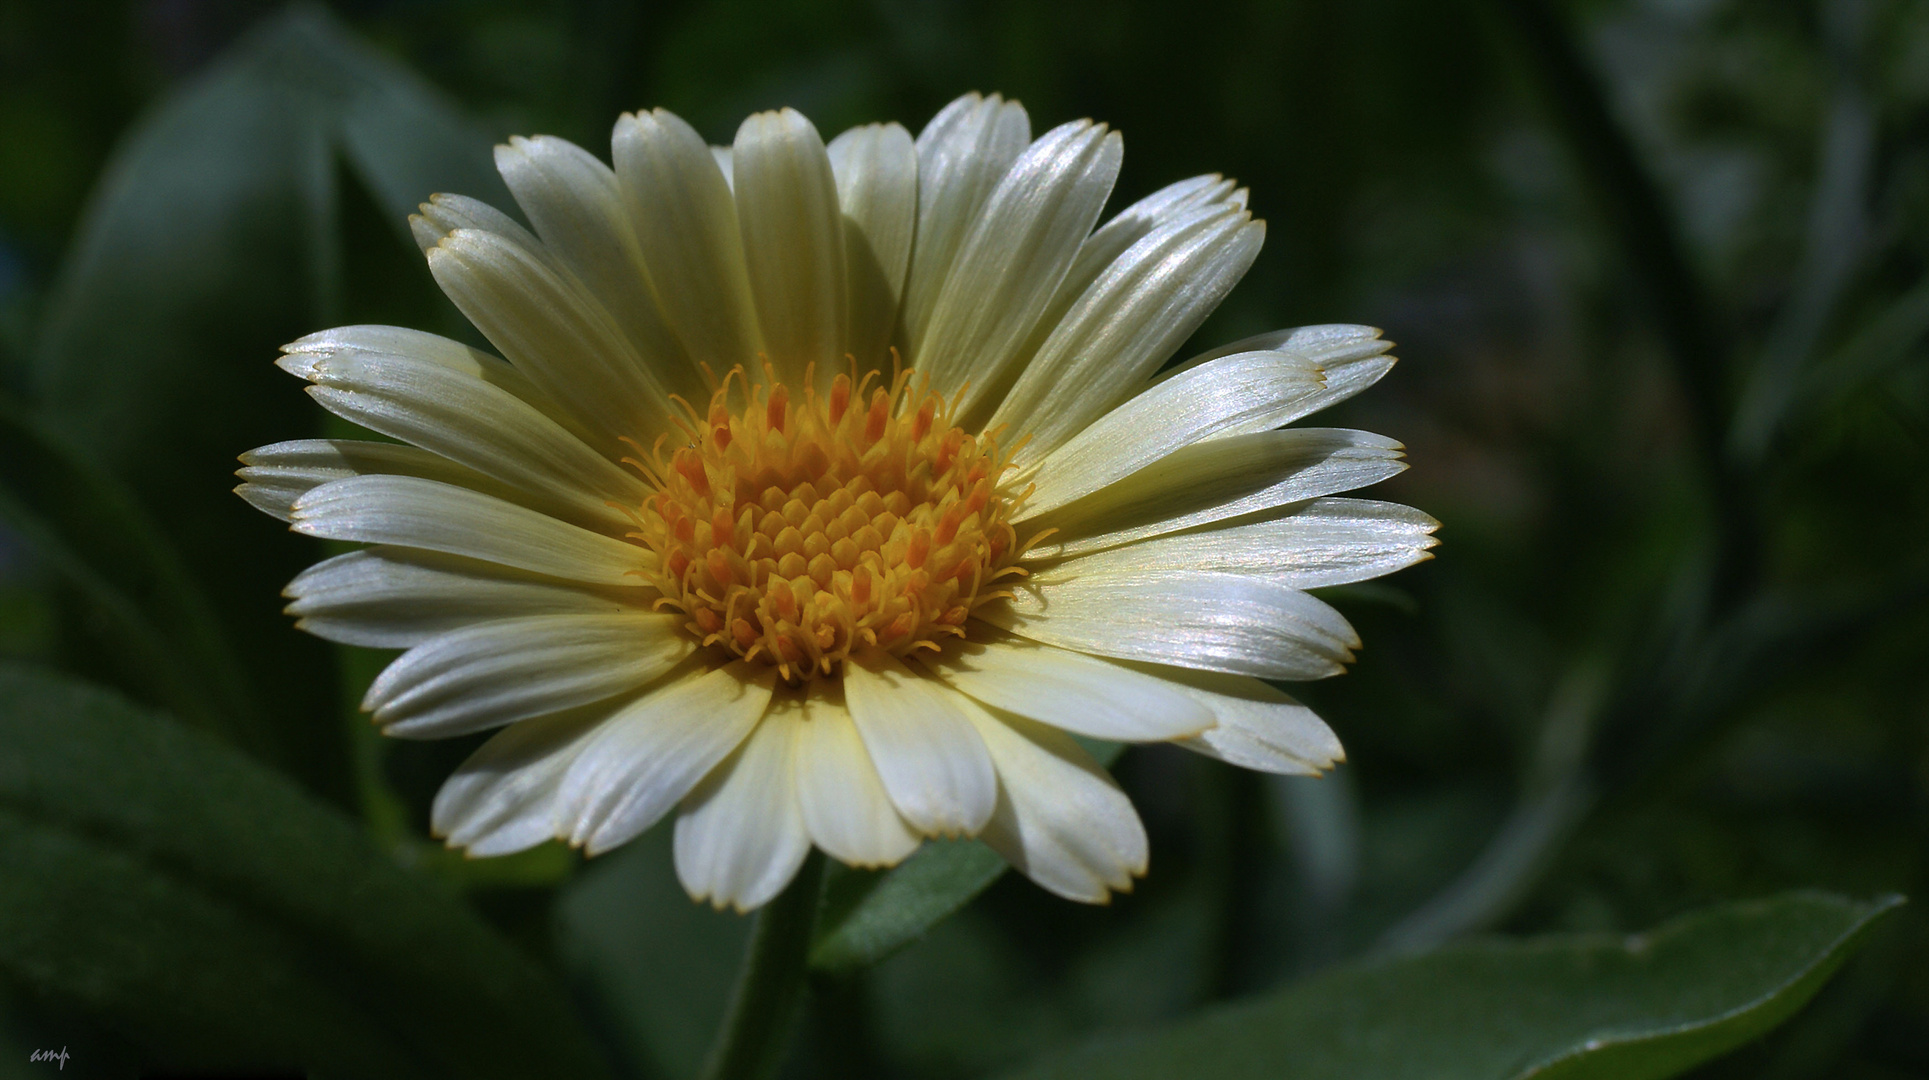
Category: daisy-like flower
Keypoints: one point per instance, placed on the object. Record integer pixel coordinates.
(821, 494)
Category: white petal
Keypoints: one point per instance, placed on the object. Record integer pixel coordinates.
(1133, 223)
(1216, 480)
(481, 426)
(494, 673)
(1187, 618)
(845, 806)
(932, 762)
(574, 203)
(393, 598)
(1014, 257)
(725, 164)
(1259, 727)
(505, 797)
(277, 475)
(962, 155)
(1060, 821)
(1130, 321)
(1244, 391)
(1353, 358)
(1307, 546)
(369, 342)
(793, 241)
(651, 754)
(444, 214)
(1069, 690)
(549, 326)
(876, 168)
(686, 227)
(741, 838)
(443, 517)
(1103, 248)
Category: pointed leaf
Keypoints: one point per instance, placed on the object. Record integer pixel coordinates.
(870, 914)
(220, 919)
(1573, 1007)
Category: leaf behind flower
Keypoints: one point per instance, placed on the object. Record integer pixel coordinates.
(218, 918)
(1569, 1007)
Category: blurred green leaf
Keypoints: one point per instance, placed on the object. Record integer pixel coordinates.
(654, 967)
(870, 914)
(221, 919)
(215, 235)
(217, 216)
(1647, 1006)
(874, 913)
(1886, 340)
(90, 529)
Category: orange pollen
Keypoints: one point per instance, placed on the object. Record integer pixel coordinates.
(795, 532)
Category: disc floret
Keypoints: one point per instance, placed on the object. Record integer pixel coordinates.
(795, 533)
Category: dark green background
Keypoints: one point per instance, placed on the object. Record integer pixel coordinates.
(1664, 382)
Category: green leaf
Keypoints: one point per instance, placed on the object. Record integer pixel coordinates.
(216, 235)
(89, 528)
(1568, 1007)
(218, 918)
(870, 914)
(215, 224)
(654, 967)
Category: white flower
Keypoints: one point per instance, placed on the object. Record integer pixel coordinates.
(825, 490)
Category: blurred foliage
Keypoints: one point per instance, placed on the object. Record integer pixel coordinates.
(1659, 270)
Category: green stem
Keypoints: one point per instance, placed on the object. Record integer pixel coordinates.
(750, 1044)
(1633, 204)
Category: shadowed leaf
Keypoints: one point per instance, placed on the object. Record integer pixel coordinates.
(1635, 1008)
(217, 917)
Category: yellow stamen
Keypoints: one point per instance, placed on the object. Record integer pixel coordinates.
(792, 532)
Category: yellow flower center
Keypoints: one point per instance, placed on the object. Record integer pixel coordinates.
(796, 533)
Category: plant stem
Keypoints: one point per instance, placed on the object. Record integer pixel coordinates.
(750, 1044)
(1635, 209)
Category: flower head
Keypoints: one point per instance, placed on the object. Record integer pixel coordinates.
(822, 494)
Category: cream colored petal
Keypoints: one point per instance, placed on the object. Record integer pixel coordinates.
(505, 797)
(576, 207)
(1133, 223)
(876, 168)
(495, 673)
(1068, 690)
(1217, 480)
(962, 155)
(686, 228)
(725, 164)
(444, 214)
(443, 517)
(793, 241)
(483, 427)
(1013, 258)
(1259, 727)
(1307, 546)
(649, 755)
(741, 837)
(1101, 249)
(549, 326)
(1145, 304)
(1243, 391)
(845, 806)
(394, 598)
(373, 342)
(932, 763)
(1060, 820)
(275, 476)
(1186, 618)
(1353, 358)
